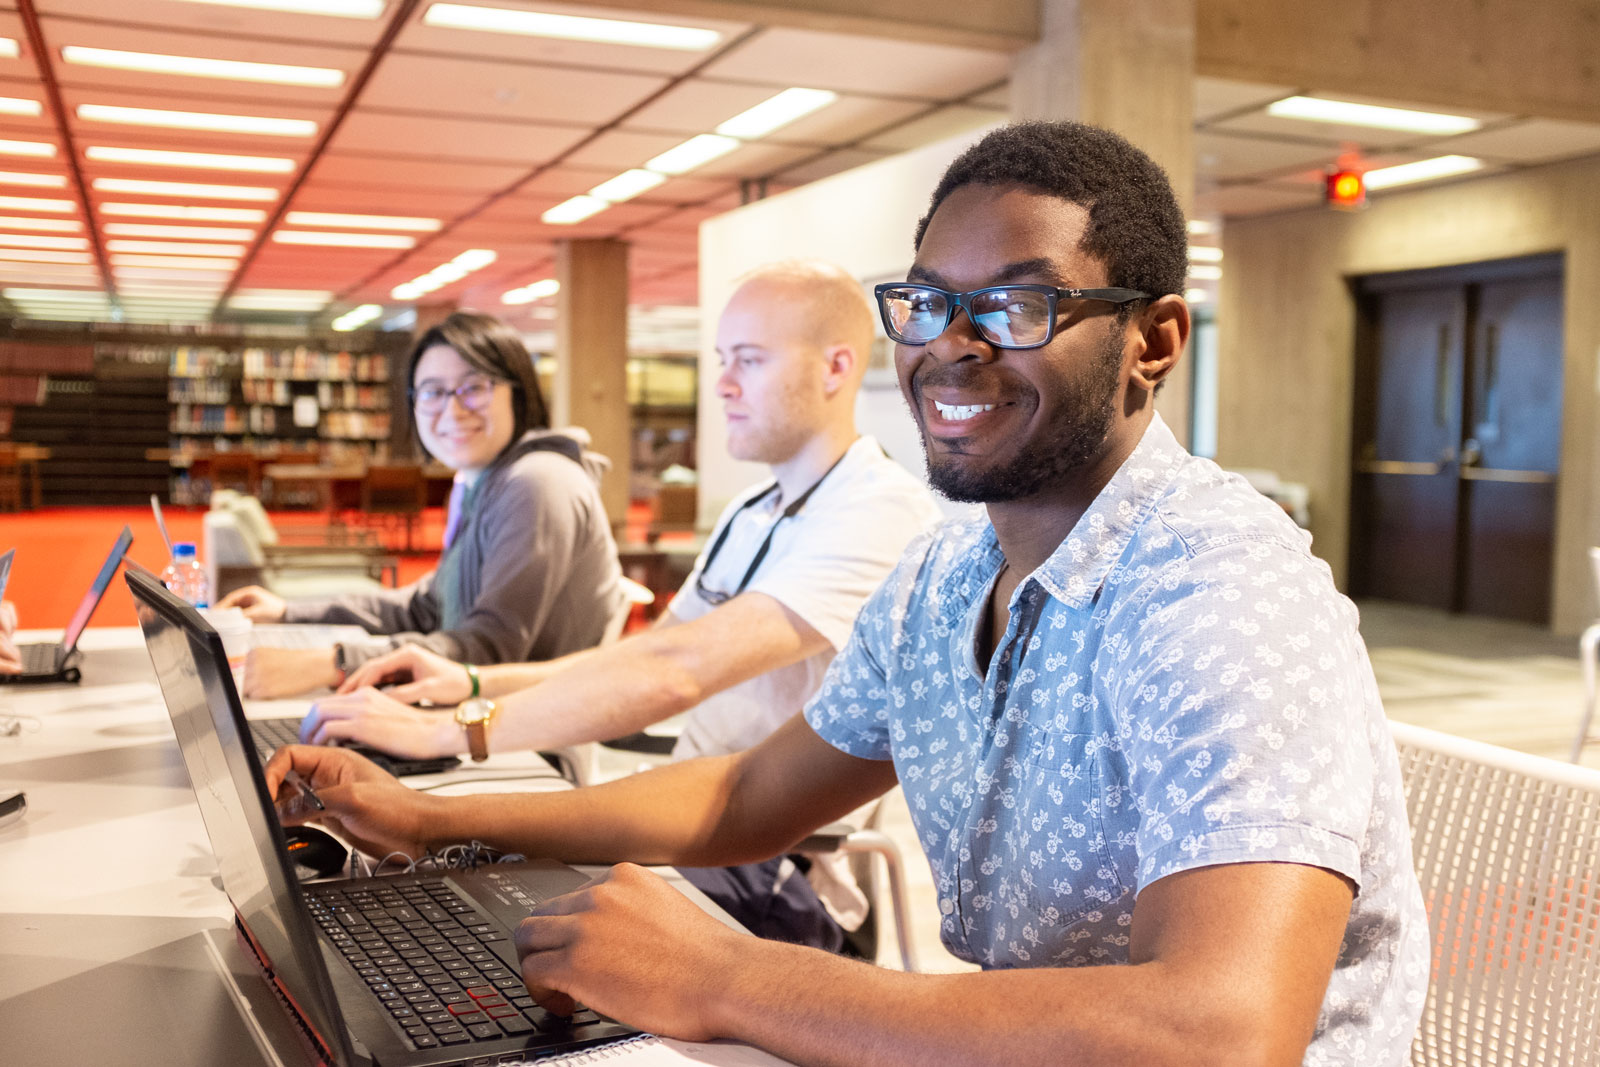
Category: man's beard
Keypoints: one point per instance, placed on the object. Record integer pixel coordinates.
(1074, 437)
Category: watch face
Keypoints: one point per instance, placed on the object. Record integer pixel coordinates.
(475, 710)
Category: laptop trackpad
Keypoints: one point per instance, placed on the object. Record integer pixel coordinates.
(509, 891)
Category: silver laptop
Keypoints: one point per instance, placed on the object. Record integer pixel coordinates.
(56, 661)
(408, 969)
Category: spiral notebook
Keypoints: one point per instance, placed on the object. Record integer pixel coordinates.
(647, 1049)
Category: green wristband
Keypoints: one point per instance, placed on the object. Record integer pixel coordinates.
(472, 672)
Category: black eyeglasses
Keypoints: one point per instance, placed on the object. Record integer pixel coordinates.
(474, 394)
(1006, 316)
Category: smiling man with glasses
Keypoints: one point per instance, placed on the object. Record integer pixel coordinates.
(749, 637)
(1134, 721)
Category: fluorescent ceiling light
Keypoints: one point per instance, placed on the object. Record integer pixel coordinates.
(360, 222)
(534, 291)
(1201, 228)
(349, 9)
(1425, 170)
(233, 70)
(347, 240)
(195, 120)
(202, 192)
(8, 48)
(1204, 272)
(1205, 254)
(575, 210)
(175, 248)
(173, 262)
(43, 255)
(776, 112)
(175, 211)
(627, 185)
(43, 181)
(445, 273)
(280, 299)
(1316, 109)
(41, 149)
(17, 222)
(475, 258)
(357, 317)
(571, 27)
(40, 240)
(697, 150)
(177, 233)
(163, 274)
(13, 105)
(30, 203)
(202, 160)
(170, 291)
(65, 296)
(1197, 296)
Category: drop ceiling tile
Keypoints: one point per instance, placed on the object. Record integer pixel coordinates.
(830, 163)
(1367, 138)
(754, 160)
(949, 121)
(618, 150)
(698, 106)
(61, 32)
(1258, 199)
(559, 182)
(1219, 96)
(416, 174)
(848, 119)
(872, 66)
(1220, 157)
(493, 89)
(454, 138)
(529, 49)
(1528, 141)
(686, 189)
(228, 21)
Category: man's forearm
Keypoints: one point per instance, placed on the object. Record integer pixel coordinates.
(677, 815)
(605, 693)
(818, 1009)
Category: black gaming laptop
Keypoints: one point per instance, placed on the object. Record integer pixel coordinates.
(52, 661)
(410, 970)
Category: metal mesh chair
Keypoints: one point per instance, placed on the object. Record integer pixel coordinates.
(1506, 846)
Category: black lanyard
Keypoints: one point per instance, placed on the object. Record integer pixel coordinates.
(715, 598)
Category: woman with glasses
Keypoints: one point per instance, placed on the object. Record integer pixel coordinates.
(529, 570)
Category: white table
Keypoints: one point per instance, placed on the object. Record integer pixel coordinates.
(116, 940)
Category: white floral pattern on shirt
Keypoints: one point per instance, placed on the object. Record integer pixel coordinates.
(1180, 685)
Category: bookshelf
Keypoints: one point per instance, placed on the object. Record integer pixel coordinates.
(126, 411)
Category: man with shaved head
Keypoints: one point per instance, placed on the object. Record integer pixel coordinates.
(748, 639)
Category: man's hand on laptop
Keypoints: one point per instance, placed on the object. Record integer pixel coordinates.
(270, 673)
(630, 946)
(376, 719)
(258, 604)
(365, 805)
(419, 673)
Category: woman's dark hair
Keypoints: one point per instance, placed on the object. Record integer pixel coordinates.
(1135, 225)
(490, 347)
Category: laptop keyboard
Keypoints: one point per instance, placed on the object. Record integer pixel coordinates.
(432, 961)
(39, 658)
(270, 735)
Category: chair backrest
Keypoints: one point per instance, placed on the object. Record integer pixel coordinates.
(1507, 848)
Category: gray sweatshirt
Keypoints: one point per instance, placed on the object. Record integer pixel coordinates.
(538, 568)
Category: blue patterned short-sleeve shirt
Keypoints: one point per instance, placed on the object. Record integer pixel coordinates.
(1180, 685)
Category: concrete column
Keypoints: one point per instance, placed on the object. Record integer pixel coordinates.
(591, 381)
(1127, 65)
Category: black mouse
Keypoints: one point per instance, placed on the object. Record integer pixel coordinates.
(316, 853)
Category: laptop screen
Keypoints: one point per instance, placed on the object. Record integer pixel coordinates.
(192, 670)
(91, 599)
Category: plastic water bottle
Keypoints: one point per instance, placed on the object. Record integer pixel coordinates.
(185, 577)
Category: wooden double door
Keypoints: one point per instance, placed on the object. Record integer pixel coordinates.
(1458, 437)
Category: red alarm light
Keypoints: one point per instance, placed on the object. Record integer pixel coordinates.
(1345, 190)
